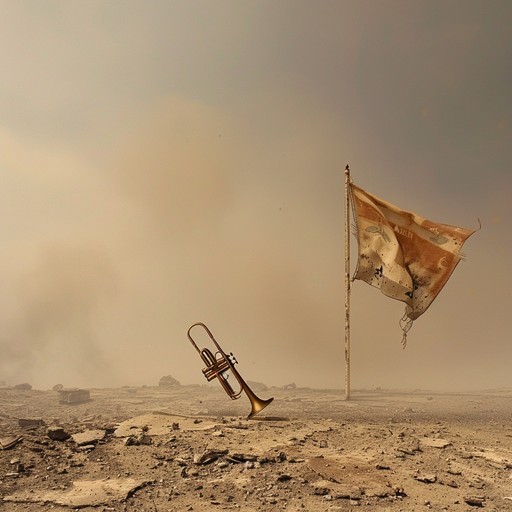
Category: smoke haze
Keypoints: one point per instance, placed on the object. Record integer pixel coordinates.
(172, 162)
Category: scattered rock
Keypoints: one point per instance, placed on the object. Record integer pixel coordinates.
(242, 457)
(410, 447)
(280, 457)
(494, 457)
(433, 442)
(30, 422)
(320, 490)
(351, 476)
(84, 493)
(74, 396)
(9, 442)
(160, 424)
(25, 386)
(144, 439)
(208, 456)
(426, 478)
(475, 501)
(57, 433)
(88, 437)
(168, 381)
(131, 441)
(198, 460)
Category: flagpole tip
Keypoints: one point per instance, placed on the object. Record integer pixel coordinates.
(347, 170)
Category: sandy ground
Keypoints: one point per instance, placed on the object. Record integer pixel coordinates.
(191, 448)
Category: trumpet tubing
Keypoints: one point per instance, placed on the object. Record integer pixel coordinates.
(216, 367)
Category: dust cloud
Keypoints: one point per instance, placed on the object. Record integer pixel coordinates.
(177, 224)
(179, 239)
(205, 249)
(53, 334)
(184, 163)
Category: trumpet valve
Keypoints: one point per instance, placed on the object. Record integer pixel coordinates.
(213, 370)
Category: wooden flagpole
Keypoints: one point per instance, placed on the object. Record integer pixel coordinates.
(347, 283)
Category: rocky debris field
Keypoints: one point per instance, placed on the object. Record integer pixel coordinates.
(190, 448)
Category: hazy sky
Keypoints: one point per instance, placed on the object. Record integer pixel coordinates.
(168, 162)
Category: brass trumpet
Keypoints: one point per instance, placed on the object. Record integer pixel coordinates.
(218, 364)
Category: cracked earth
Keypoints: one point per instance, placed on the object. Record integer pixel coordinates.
(190, 448)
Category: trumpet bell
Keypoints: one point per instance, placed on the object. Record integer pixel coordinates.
(258, 405)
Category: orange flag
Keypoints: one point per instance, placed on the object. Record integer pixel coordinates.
(408, 257)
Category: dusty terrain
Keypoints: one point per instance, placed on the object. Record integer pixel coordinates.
(191, 448)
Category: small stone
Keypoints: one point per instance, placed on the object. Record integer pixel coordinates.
(9, 442)
(30, 422)
(208, 456)
(427, 478)
(57, 434)
(86, 448)
(74, 396)
(243, 457)
(145, 439)
(88, 437)
(281, 457)
(25, 386)
(475, 501)
(131, 441)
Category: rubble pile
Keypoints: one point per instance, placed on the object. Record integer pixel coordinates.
(168, 381)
